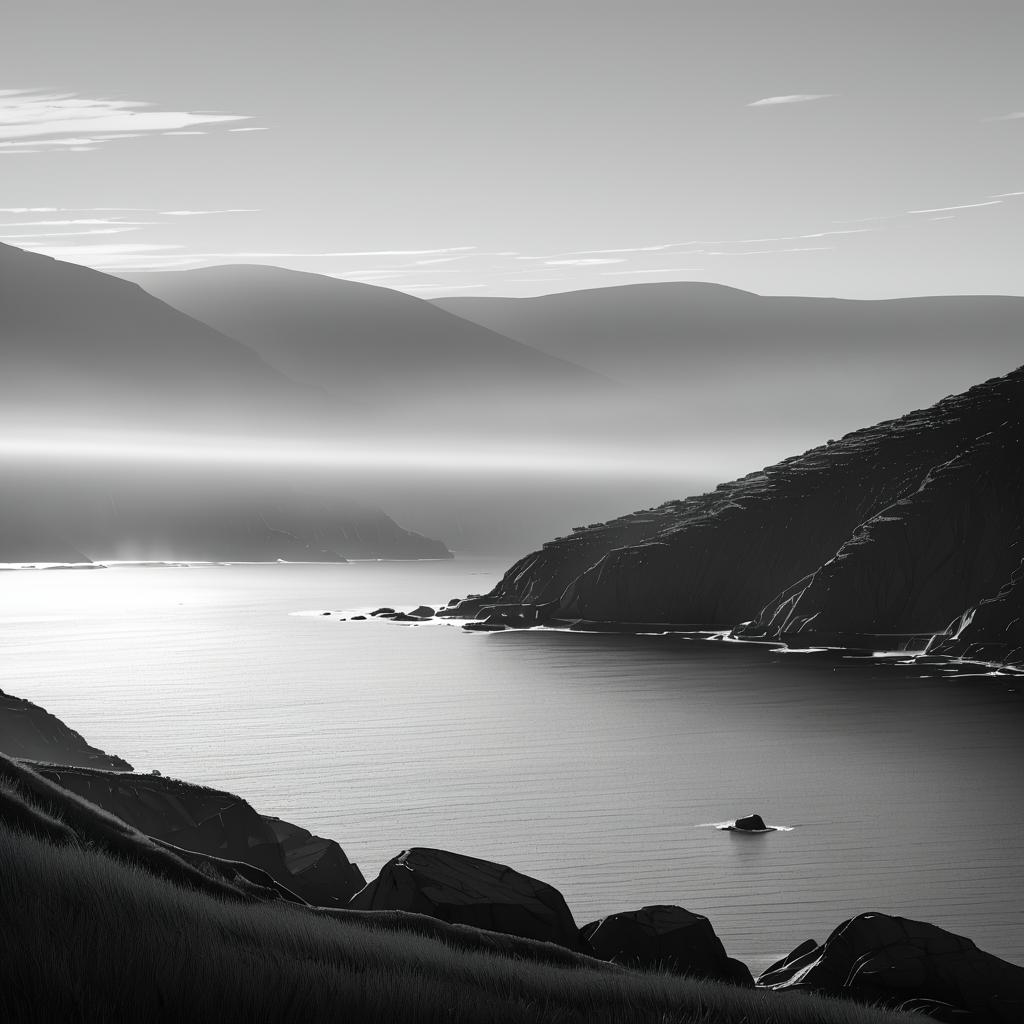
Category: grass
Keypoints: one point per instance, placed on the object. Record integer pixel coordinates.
(89, 936)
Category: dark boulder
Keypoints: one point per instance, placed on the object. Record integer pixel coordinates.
(665, 938)
(424, 611)
(383, 611)
(893, 960)
(402, 617)
(358, 618)
(483, 627)
(465, 890)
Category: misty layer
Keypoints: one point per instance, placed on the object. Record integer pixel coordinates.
(69, 513)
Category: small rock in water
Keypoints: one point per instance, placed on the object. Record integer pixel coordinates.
(401, 617)
(325, 613)
(423, 612)
(751, 823)
(383, 611)
(358, 618)
(483, 627)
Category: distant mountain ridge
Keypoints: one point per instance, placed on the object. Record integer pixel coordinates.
(909, 530)
(732, 363)
(83, 348)
(394, 352)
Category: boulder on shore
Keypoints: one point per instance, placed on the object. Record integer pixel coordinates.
(665, 938)
(876, 958)
(466, 890)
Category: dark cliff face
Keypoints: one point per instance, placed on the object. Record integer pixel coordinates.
(211, 822)
(897, 528)
(28, 731)
(991, 631)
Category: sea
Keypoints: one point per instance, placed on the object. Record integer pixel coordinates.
(600, 763)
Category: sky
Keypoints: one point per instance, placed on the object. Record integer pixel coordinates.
(858, 149)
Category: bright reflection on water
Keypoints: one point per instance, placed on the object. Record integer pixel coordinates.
(589, 761)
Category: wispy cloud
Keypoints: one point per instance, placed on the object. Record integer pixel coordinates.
(117, 249)
(73, 221)
(66, 234)
(590, 262)
(654, 270)
(201, 213)
(799, 97)
(1015, 115)
(962, 206)
(1007, 195)
(72, 121)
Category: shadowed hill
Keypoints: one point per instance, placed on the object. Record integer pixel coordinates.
(397, 353)
(82, 348)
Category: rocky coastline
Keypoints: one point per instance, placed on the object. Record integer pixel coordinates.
(903, 536)
(216, 842)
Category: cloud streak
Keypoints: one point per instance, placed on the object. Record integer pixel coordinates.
(798, 97)
(68, 120)
(962, 206)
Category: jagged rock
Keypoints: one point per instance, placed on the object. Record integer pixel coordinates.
(992, 631)
(27, 731)
(665, 938)
(878, 958)
(208, 821)
(465, 890)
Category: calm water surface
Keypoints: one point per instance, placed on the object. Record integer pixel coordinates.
(593, 762)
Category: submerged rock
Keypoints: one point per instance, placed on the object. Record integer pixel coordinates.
(892, 960)
(466, 890)
(665, 938)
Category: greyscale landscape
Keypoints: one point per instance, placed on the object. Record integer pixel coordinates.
(512, 512)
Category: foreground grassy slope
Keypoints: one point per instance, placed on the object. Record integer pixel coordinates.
(90, 936)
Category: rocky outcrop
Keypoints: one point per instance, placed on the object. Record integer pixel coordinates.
(992, 631)
(218, 824)
(895, 529)
(917, 564)
(665, 938)
(876, 958)
(27, 731)
(466, 890)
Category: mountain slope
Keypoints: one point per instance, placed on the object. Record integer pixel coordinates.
(381, 346)
(731, 362)
(893, 529)
(82, 348)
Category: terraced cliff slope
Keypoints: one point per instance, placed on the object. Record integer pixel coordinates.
(898, 528)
